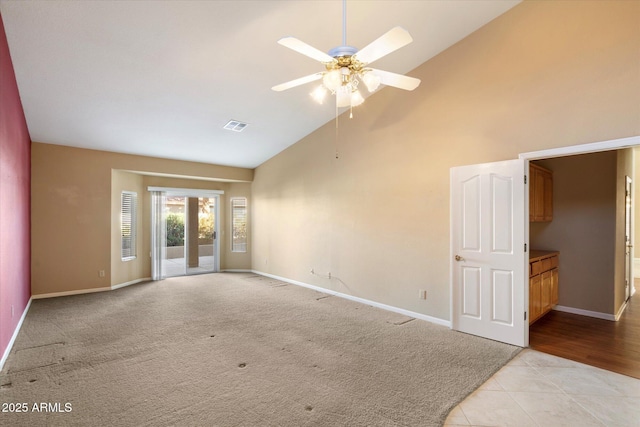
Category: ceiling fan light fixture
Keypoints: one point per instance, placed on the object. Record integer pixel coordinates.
(371, 81)
(343, 96)
(319, 94)
(356, 98)
(332, 79)
(345, 66)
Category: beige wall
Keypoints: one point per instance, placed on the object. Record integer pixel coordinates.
(543, 75)
(72, 212)
(583, 229)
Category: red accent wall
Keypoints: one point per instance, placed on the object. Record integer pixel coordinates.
(15, 203)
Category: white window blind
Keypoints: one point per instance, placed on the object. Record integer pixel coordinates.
(128, 224)
(239, 224)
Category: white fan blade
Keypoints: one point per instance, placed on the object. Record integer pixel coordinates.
(297, 82)
(390, 41)
(305, 49)
(396, 80)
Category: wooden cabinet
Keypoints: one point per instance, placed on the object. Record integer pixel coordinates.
(545, 294)
(543, 283)
(535, 288)
(540, 194)
(554, 286)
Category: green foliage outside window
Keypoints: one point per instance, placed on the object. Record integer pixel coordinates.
(206, 224)
(175, 229)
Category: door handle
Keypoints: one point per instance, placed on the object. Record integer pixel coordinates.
(214, 235)
(459, 258)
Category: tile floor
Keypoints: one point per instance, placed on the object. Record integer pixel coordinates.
(538, 389)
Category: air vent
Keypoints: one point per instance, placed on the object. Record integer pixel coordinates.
(235, 126)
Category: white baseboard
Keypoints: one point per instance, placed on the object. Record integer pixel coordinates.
(596, 314)
(132, 282)
(67, 293)
(15, 335)
(235, 270)
(89, 291)
(622, 309)
(413, 314)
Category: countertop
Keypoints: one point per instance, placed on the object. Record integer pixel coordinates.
(537, 255)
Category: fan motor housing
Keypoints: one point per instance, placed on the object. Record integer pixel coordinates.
(344, 58)
(343, 51)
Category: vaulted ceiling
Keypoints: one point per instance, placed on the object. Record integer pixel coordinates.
(162, 78)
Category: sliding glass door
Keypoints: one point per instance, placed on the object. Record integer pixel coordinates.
(173, 255)
(185, 236)
(201, 248)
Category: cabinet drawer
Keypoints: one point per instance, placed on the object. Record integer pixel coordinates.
(546, 264)
(535, 268)
(554, 261)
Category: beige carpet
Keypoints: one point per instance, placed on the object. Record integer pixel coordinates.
(236, 350)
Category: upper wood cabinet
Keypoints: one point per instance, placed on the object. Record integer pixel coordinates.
(540, 194)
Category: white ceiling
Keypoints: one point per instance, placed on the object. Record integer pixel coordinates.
(162, 78)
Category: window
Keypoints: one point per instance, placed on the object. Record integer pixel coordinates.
(128, 225)
(239, 224)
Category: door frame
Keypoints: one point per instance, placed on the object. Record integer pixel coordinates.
(594, 147)
(216, 241)
(193, 192)
(628, 226)
(571, 150)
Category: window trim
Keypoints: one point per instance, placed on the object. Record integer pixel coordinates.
(133, 225)
(246, 221)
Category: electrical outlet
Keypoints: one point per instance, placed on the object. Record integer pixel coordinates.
(312, 272)
(101, 273)
(422, 294)
(329, 274)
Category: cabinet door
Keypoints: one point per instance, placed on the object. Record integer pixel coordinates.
(548, 196)
(545, 293)
(534, 298)
(538, 196)
(554, 286)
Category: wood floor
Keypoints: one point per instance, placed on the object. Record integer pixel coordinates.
(614, 346)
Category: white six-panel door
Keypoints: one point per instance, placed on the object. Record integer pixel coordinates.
(488, 258)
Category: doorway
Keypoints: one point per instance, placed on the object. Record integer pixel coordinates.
(458, 298)
(190, 235)
(598, 336)
(185, 226)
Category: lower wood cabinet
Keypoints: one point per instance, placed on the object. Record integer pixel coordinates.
(543, 283)
(535, 292)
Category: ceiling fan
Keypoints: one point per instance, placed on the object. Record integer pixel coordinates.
(346, 66)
